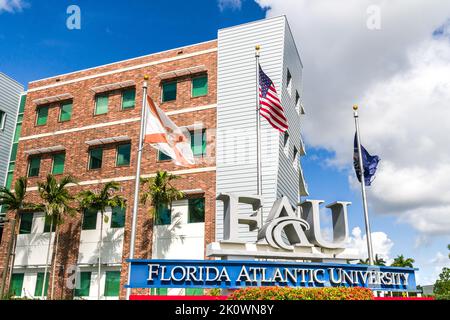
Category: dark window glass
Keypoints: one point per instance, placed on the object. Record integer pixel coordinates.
(26, 222)
(169, 91)
(118, 217)
(89, 219)
(95, 158)
(163, 215)
(196, 210)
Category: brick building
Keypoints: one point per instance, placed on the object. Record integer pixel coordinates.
(86, 124)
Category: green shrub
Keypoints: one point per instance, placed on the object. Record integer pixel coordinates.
(288, 293)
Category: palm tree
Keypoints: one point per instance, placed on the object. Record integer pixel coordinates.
(56, 200)
(378, 261)
(160, 191)
(400, 261)
(14, 202)
(100, 202)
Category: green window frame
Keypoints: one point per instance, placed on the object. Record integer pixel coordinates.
(34, 167)
(84, 285)
(163, 157)
(40, 283)
(26, 223)
(95, 158)
(196, 210)
(16, 286)
(163, 215)
(89, 219)
(169, 91)
(200, 86)
(101, 104)
(128, 99)
(48, 223)
(112, 284)
(118, 217)
(10, 175)
(58, 163)
(123, 155)
(198, 142)
(65, 112)
(194, 292)
(159, 291)
(42, 115)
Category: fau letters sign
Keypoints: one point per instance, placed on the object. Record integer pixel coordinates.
(237, 274)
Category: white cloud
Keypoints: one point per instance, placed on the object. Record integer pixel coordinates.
(12, 5)
(229, 4)
(400, 77)
(381, 244)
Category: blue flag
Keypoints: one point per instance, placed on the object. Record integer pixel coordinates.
(370, 164)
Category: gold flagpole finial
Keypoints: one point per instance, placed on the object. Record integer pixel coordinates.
(355, 107)
(146, 77)
(257, 47)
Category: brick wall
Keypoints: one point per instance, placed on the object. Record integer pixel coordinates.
(77, 150)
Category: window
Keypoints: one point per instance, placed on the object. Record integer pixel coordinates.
(2, 119)
(286, 143)
(16, 286)
(112, 284)
(18, 128)
(26, 222)
(95, 158)
(297, 102)
(42, 115)
(10, 176)
(89, 219)
(65, 113)
(194, 292)
(34, 167)
(289, 82)
(198, 142)
(128, 99)
(84, 286)
(200, 86)
(48, 223)
(295, 161)
(163, 215)
(159, 291)
(58, 163)
(163, 157)
(196, 211)
(101, 104)
(169, 91)
(39, 284)
(118, 217)
(123, 155)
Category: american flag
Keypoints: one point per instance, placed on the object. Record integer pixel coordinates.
(270, 104)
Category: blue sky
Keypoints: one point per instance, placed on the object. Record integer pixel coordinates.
(35, 43)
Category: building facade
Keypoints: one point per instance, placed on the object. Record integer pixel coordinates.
(86, 124)
(10, 91)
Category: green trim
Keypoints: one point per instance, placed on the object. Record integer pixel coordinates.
(101, 104)
(40, 282)
(89, 219)
(58, 163)
(65, 113)
(169, 91)
(85, 285)
(95, 158)
(112, 284)
(16, 286)
(123, 155)
(42, 115)
(34, 167)
(128, 99)
(200, 86)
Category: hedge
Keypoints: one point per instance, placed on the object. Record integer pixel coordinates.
(288, 293)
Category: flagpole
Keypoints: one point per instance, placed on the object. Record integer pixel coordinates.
(363, 188)
(137, 181)
(258, 133)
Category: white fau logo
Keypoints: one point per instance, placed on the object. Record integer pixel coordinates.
(285, 229)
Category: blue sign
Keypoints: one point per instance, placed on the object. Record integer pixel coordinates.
(232, 274)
